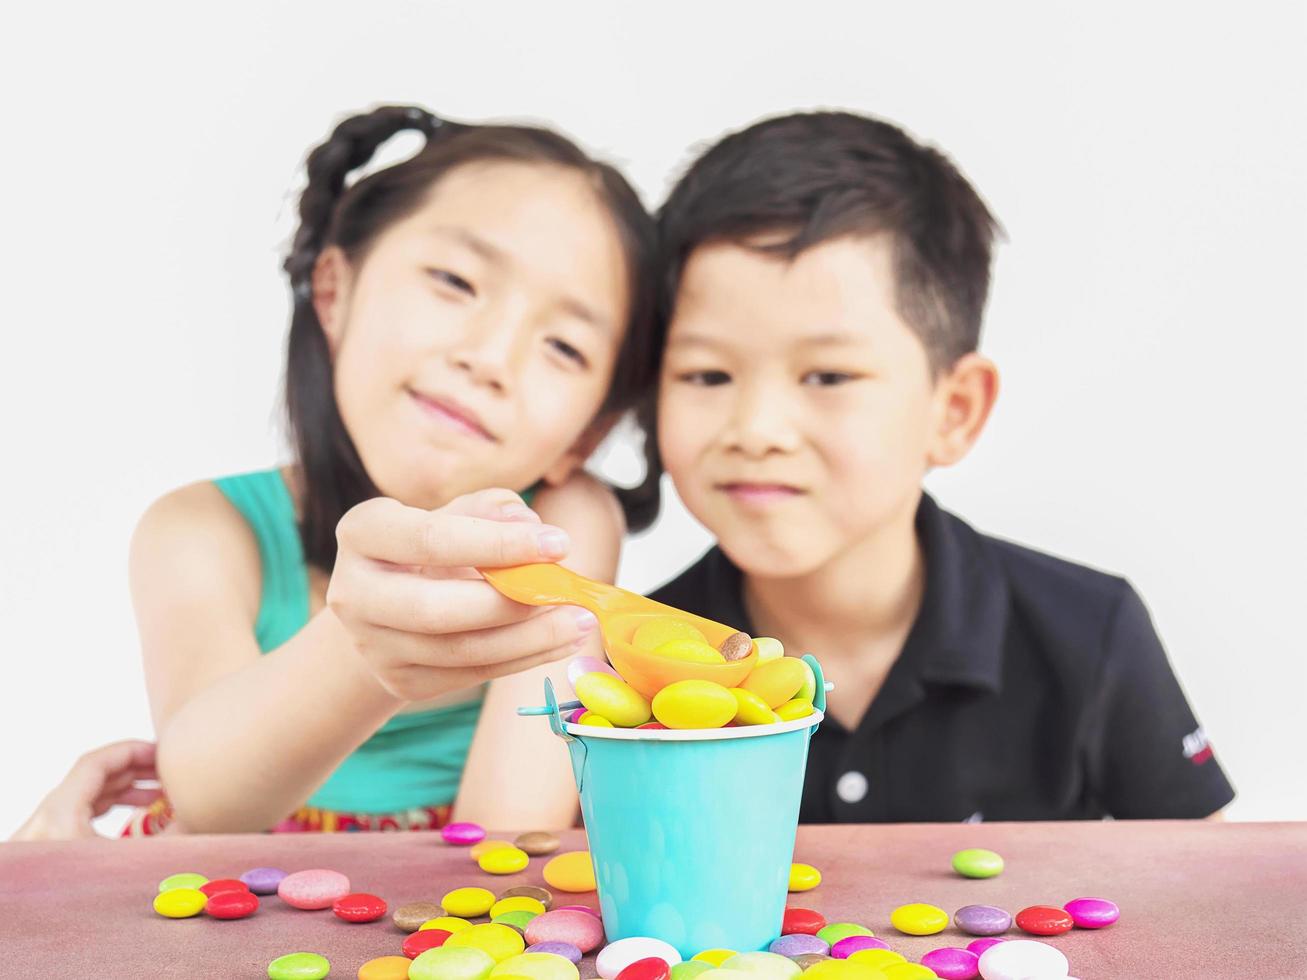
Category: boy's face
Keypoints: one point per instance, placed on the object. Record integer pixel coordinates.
(798, 412)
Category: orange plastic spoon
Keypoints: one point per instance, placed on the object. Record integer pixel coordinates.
(620, 613)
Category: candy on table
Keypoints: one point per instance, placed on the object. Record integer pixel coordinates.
(613, 698)
(517, 903)
(1092, 913)
(776, 681)
(500, 941)
(737, 646)
(594, 720)
(721, 973)
(450, 923)
(842, 970)
(690, 651)
(468, 903)
(579, 929)
(804, 877)
(541, 895)
(769, 648)
(798, 920)
(538, 843)
(919, 919)
(982, 920)
(578, 667)
(714, 957)
(794, 709)
(1021, 958)
(263, 881)
(650, 968)
(751, 709)
(359, 907)
(798, 944)
(1044, 920)
(486, 846)
(462, 834)
(574, 716)
(653, 633)
(231, 905)
(565, 950)
(836, 931)
(908, 971)
(299, 966)
(849, 945)
(977, 862)
(504, 861)
(879, 958)
(581, 908)
(187, 879)
(689, 969)
(180, 903)
(805, 960)
(952, 963)
(978, 946)
(616, 957)
(537, 966)
(518, 919)
(694, 704)
(216, 885)
(454, 963)
(316, 888)
(410, 917)
(423, 940)
(571, 871)
(764, 966)
(385, 968)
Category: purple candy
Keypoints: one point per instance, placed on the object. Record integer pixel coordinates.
(798, 944)
(565, 950)
(849, 945)
(1092, 913)
(978, 946)
(463, 834)
(263, 881)
(951, 963)
(982, 920)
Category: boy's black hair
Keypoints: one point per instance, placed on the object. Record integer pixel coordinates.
(334, 478)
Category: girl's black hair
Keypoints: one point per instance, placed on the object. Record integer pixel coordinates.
(333, 476)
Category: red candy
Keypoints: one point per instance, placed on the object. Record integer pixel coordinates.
(424, 940)
(232, 904)
(653, 725)
(219, 885)
(650, 968)
(802, 921)
(359, 907)
(1044, 920)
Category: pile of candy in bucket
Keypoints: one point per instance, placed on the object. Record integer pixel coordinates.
(521, 933)
(777, 689)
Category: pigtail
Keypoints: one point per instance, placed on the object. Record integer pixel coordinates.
(642, 503)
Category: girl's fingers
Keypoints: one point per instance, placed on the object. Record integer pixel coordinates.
(422, 682)
(434, 606)
(561, 628)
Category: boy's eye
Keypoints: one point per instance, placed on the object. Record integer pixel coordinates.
(452, 280)
(704, 379)
(568, 351)
(824, 379)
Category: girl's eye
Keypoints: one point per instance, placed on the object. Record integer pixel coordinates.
(704, 379)
(826, 379)
(568, 351)
(452, 280)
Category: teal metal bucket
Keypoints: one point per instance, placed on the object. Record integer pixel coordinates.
(691, 832)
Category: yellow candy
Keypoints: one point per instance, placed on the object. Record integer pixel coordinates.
(694, 704)
(776, 681)
(691, 651)
(499, 941)
(804, 877)
(795, 709)
(571, 872)
(536, 966)
(385, 968)
(909, 971)
(612, 698)
(751, 709)
(841, 970)
(504, 861)
(487, 845)
(450, 923)
(919, 919)
(594, 720)
(468, 903)
(715, 956)
(180, 903)
(655, 632)
(879, 958)
(768, 648)
(517, 903)
(721, 973)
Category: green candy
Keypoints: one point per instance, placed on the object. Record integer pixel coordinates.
(690, 969)
(451, 963)
(187, 879)
(836, 931)
(299, 966)
(517, 919)
(976, 862)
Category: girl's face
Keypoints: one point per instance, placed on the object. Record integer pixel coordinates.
(474, 342)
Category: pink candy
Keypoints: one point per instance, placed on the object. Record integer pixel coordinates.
(952, 963)
(463, 834)
(582, 930)
(1092, 913)
(978, 946)
(314, 889)
(849, 945)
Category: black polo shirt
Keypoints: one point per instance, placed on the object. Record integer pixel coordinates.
(1029, 688)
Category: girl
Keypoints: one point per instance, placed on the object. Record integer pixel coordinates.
(477, 316)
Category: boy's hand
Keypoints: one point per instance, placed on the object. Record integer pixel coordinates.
(102, 778)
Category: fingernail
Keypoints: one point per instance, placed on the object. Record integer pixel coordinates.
(586, 621)
(518, 512)
(553, 542)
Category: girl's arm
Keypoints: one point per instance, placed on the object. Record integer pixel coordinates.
(245, 738)
(518, 774)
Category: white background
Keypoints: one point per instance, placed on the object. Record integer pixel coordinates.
(1146, 160)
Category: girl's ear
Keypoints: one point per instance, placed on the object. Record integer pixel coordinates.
(331, 282)
(581, 450)
(963, 399)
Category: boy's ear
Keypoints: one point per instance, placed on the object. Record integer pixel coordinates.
(581, 450)
(964, 396)
(331, 282)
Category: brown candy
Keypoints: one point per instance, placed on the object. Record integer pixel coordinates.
(538, 843)
(411, 916)
(541, 895)
(737, 646)
(806, 960)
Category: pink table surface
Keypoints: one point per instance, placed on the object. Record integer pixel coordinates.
(1198, 900)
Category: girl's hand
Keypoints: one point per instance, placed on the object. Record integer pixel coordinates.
(405, 586)
(102, 778)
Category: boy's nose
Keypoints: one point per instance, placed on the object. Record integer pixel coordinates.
(761, 424)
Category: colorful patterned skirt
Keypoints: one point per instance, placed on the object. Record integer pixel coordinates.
(151, 820)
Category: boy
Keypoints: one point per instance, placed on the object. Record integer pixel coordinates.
(826, 279)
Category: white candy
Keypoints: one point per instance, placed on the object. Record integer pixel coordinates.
(764, 966)
(1020, 959)
(616, 957)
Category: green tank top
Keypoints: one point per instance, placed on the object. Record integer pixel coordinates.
(414, 760)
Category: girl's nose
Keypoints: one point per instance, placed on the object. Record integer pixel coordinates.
(489, 350)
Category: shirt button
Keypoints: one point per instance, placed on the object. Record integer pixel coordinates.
(852, 787)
